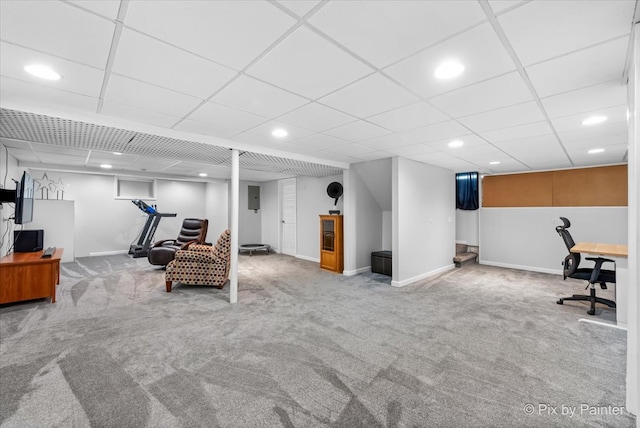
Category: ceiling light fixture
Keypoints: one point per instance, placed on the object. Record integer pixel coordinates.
(106, 166)
(203, 174)
(42, 71)
(494, 163)
(594, 120)
(279, 133)
(593, 151)
(117, 153)
(449, 69)
(456, 143)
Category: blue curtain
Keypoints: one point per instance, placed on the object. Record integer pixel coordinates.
(467, 191)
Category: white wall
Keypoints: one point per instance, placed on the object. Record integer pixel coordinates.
(467, 226)
(216, 208)
(387, 229)
(525, 238)
(368, 218)
(311, 201)
(56, 218)
(270, 214)
(106, 225)
(423, 220)
(249, 221)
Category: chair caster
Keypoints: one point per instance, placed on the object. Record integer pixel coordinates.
(560, 301)
(591, 312)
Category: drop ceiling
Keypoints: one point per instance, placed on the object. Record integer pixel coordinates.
(173, 85)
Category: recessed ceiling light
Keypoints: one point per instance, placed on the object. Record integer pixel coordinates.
(456, 143)
(449, 69)
(42, 71)
(494, 163)
(117, 153)
(203, 174)
(594, 120)
(279, 133)
(593, 151)
(105, 166)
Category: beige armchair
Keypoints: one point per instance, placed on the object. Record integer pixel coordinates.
(201, 264)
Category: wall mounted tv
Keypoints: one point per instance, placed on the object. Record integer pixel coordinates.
(23, 198)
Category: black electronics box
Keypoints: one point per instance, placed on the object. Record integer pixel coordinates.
(27, 241)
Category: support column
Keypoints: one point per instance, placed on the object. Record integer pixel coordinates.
(633, 331)
(235, 198)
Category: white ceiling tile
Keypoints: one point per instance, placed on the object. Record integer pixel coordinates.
(123, 90)
(357, 131)
(106, 8)
(371, 95)
(409, 117)
(308, 64)
(614, 115)
(353, 149)
(470, 141)
(387, 142)
(410, 151)
(491, 94)
(439, 131)
(456, 165)
(519, 114)
(264, 131)
(316, 117)
(76, 78)
(202, 128)
(518, 132)
(138, 114)
(315, 142)
(499, 5)
(225, 118)
(540, 30)
(229, 32)
(583, 100)
(612, 155)
(378, 154)
(66, 151)
(300, 8)
(537, 152)
(39, 95)
(143, 58)
(528, 143)
(479, 50)
(588, 67)
(386, 31)
(433, 157)
(58, 29)
(607, 134)
(253, 96)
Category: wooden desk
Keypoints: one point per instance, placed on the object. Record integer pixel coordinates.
(620, 254)
(614, 250)
(27, 276)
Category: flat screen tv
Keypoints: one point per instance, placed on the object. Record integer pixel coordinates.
(24, 200)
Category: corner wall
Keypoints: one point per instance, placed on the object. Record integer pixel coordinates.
(423, 220)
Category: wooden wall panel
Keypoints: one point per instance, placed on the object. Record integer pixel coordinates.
(590, 187)
(582, 187)
(518, 190)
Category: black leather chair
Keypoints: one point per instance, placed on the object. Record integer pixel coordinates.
(193, 231)
(595, 275)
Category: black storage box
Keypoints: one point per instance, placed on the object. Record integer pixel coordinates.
(381, 262)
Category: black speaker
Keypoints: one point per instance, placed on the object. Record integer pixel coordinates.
(26, 241)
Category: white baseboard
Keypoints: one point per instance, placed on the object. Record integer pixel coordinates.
(421, 277)
(109, 253)
(529, 268)
(357, 271)
(309, 259)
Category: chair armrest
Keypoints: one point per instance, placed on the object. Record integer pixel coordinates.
(193, 256)
(598, 266)
(163, 242)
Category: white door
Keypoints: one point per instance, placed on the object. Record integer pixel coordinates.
(288, 216)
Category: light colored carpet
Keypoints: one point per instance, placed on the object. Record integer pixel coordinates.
(474, 347)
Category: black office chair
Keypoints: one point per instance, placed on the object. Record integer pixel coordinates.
(595, 275)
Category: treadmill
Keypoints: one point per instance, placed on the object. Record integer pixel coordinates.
(141, 247)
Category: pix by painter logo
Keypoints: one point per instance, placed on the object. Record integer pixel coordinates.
(569, 411)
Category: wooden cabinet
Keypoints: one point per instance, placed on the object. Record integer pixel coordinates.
(331, 246)
(27, 276)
